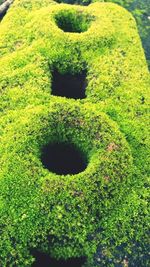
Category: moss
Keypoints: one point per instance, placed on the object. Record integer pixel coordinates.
(101, 212)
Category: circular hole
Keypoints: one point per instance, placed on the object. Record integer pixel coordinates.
(63, 159)
(69, 85)
(73, 21)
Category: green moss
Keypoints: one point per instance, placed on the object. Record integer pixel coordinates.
(101, 212)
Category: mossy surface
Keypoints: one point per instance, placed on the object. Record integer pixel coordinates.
(100, 213)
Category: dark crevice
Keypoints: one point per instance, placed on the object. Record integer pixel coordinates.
(69, 85)
(4, 6)
(62, 158)
(43, 260)
(2, 14)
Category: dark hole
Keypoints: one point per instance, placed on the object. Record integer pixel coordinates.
(73, 21)
(69, 85)
(62, 158)
(43, 260)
